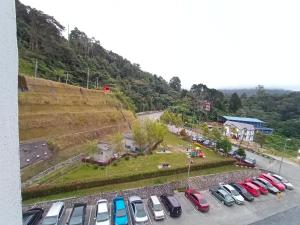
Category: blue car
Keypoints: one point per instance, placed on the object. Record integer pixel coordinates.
(119, 211)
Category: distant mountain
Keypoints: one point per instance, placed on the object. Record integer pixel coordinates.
(252, 91)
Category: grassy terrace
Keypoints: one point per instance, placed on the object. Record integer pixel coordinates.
(129, 185)
(123, 167)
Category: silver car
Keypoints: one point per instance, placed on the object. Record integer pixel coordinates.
(137, 211)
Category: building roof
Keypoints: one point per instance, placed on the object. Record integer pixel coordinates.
(243, 119)
(240, 126)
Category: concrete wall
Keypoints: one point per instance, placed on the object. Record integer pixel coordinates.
(10, 185)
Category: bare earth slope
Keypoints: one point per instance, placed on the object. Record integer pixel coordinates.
(67, 115)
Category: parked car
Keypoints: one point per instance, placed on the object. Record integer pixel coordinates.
(232, 152)
(156, 208)
(273, 181)
(233, 193)
(77, 215)
(251, 188)
(120, 216)
(268, 185)
(102, 213)
(54, 214)
(197, 199)
(171, 204)
(137, 210)
(32, 216)
(243, 192)
(222, 196)
(262, 188)
(284, 181)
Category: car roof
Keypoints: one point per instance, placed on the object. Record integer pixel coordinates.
(173, 200)
(55, 208)
(251, 185)
(102, 206)
(222, 191)
(120, 203)
(263, 180)
(155, 199)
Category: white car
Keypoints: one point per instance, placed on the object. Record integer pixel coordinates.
(284, 181)
(233, 193)
(102, 213)
(156, 208)
(137, 210)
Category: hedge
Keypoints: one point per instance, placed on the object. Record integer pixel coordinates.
(44, 190)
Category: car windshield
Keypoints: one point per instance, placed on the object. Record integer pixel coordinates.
(235, 193)
(51, 220)
(157, 207)
(26, 219)
(140, 211)
(121, 213)
(102, 216)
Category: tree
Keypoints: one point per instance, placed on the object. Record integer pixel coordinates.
(175, 83)
(260, 138)
(139, 135)
(224, 144)
(234, 103)
(204, 129)
(216, 134)
(241, 152)
(117, 141)
(155, 131)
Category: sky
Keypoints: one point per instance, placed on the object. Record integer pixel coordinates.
(220, 43)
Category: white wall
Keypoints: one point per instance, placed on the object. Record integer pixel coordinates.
(10, 187)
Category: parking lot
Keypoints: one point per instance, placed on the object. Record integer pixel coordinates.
(219, 214)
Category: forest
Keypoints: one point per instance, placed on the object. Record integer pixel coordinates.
(83, 61)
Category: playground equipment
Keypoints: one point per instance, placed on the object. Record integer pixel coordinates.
(196, 152)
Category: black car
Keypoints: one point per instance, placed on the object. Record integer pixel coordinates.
(77, 215)
(243, 192)
(32, 216)
(171, 204)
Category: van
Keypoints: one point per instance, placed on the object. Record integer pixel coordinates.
(171, 204)
(54, 214)
(156, 208)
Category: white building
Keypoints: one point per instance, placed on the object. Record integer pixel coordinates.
(10, 184)
(239, 131)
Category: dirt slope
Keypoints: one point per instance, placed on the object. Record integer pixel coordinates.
(67, 115)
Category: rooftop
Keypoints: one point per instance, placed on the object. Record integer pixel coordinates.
(243, 119)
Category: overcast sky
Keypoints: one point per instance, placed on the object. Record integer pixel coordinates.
(221, 43)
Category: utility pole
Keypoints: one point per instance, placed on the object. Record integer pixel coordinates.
(286, 140)
(189, 171)
(88, 76)
(36, 68)
(68, 35)
(67, 77)
(97, 82)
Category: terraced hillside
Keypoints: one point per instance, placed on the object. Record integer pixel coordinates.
(67, 115)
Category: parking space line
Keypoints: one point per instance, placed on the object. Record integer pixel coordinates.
(128, 213)
(148, 214)
(90, 214)
(190, 202)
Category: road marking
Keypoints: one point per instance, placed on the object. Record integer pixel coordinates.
(128, 213)
(148, 215)
(90, 215)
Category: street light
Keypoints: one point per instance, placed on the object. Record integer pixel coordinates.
(286, 140)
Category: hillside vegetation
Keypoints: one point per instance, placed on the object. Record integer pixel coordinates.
(67, 115)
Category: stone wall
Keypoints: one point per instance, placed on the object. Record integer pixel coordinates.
(199, 182)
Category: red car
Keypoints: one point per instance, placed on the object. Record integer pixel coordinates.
(273, 181)
(262, 188)
(251, 188)
(197, 199)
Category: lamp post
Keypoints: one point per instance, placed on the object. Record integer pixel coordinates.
(286, 140)
(190, 160)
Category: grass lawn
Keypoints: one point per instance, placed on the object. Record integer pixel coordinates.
(123, 167)
(135, 184)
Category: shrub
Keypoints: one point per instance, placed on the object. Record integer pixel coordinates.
(115, 164)
(127, 157)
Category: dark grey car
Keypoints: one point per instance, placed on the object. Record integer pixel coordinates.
(222, 196)
(77, 215)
